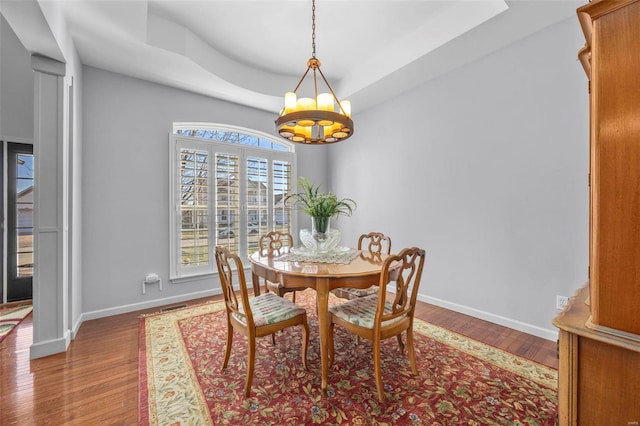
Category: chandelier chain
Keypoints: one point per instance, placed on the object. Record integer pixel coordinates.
(313, 27)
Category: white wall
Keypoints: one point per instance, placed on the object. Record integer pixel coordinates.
(125, 202)
(486, 168)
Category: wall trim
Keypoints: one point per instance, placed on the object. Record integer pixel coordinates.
(101, 313)
(47, 65)
(76, 327)
(547, 334)
(50, 347)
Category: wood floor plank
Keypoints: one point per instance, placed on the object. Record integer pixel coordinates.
(96, 381)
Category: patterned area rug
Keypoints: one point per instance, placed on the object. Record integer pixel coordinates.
(9, 318)
(461, 381)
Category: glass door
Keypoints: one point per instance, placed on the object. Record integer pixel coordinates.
(20, 200)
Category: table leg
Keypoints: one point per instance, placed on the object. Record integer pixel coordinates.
(322, 300)
(255, 279)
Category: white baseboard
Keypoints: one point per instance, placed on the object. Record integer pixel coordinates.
(76, 327)
(548, 334)
(101, 313)
(50, 347)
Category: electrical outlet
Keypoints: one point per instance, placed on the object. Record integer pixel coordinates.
(561, 302)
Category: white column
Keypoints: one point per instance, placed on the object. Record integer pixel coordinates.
(50, 287)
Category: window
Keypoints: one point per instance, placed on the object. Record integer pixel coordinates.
(228, 187)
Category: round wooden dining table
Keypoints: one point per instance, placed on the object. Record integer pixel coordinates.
(361, 272)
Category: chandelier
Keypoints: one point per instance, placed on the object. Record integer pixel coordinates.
(319, 120)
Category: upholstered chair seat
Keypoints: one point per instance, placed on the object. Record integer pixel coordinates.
(269, 309)
(362, 311)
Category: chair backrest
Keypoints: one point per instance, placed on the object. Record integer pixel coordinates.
(274, 243)
(405, 270)
(375, 242)
(228, 262)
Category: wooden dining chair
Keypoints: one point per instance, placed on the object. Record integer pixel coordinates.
(381, 316)
(373, 243)
(274, 244)
(257, 316)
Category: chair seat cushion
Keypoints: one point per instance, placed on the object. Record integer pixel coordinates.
(352, 293)
(270, 309)
(362, 311)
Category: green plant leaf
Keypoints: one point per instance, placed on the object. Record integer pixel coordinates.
(319, 204)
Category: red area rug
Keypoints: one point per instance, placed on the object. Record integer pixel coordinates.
(461, 381)
(11, 317)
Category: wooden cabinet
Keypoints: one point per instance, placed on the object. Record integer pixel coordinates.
(599, 377)
(599, 373)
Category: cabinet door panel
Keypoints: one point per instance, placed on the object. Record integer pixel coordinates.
(608, 384)
(616, 169)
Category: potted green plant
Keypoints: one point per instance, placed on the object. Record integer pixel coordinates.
(321, 207)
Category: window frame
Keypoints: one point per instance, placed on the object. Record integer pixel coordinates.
(213, 147)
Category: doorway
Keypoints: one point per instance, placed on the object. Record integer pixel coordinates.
(18, 232)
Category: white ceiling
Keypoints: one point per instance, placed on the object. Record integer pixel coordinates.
(252, 51)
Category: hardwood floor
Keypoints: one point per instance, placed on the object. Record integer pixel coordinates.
(96, 381)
